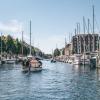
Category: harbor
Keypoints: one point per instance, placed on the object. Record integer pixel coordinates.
(83, 48)
(56, 81)
(49, 50)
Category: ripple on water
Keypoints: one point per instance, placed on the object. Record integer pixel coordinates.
(57, 81)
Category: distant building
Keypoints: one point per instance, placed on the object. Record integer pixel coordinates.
(68, 49)
(85, 42)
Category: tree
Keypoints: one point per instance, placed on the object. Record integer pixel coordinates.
(10, 44)
(63, 51)
(56, 52)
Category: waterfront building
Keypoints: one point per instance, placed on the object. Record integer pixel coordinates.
(68, 49)
(88, 43)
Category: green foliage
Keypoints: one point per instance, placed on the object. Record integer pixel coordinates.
(56, 52)
(14, 46)
(63, 51)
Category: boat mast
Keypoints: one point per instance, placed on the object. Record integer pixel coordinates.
(22, 43)
(88, 35)
(93, 19)
(1, 46)
(84, 37)
(30, 38)
(77, 29)
(79, 40)
(65, 46)
(93, 28)
(52, 54)
(65, 42)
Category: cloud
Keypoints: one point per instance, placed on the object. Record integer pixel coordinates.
(11, 26)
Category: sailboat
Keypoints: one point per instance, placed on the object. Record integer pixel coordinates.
(1, 50)
(52, 59)
(31, 63)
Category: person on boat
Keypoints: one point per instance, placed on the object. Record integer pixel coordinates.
(40, 62)
(27, 62)
(29, 65)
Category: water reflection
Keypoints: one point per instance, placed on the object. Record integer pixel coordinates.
(57, 81)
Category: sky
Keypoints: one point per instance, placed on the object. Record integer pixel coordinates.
(52, 20)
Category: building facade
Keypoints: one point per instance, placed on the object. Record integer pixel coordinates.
(85, 43)
(68, 49)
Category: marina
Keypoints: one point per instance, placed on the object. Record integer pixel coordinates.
(56, 81)
(50, 50)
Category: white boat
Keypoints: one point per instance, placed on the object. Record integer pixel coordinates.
(77, 62)
(70, 61)
(10, 61)
(77, 59)
(85, 61)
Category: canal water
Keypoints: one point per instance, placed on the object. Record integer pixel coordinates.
(57, 81)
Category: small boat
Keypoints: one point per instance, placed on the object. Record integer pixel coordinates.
(77, 62)
(70, 61)
(30, 65)
(53, 61)
(10, 61)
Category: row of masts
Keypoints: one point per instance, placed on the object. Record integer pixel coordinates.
(85, 27)
(77, 29)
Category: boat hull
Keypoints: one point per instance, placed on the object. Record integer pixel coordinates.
(32, 69)
(0, 62)
(10, 61)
